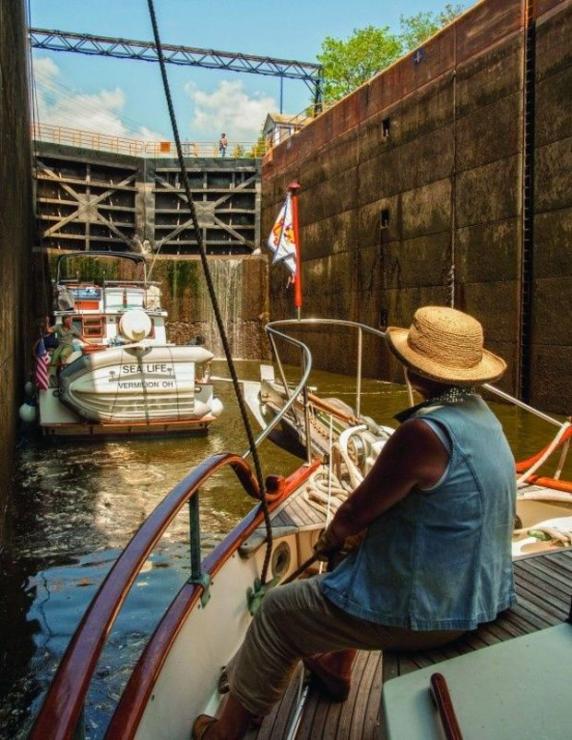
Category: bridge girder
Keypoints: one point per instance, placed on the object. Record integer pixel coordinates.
(83, 43)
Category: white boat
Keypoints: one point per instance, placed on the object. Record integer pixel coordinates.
(178, 674)
(123, 376)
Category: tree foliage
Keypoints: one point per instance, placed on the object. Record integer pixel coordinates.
(258, 149)
(418, 28)
(349, 63)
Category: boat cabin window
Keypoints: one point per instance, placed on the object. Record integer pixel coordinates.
(124, 296)
(385, 127)
(135, 297)
(86, 297)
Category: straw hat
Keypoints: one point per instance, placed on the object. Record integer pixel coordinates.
(445, 345)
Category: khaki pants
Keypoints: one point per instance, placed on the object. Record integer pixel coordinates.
(61, 352)
(296, 621)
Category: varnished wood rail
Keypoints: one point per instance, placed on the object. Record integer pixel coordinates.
(131, 707)
(62, 707)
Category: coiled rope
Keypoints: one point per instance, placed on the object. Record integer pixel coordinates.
(212, 294)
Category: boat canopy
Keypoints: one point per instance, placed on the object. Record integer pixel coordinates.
(138, 258)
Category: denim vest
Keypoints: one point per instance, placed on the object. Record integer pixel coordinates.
(441, 559)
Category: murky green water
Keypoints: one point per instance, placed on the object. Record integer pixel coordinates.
(77, 505)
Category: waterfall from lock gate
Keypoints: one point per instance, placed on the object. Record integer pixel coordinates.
(228, 278)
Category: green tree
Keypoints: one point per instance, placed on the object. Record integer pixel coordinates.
(238, 151)
(258, 149)
(418, 28)
(348, 64)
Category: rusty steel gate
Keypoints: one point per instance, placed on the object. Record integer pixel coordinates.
(93, 200)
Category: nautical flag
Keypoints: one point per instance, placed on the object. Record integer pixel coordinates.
(42, 365)
(281, 240)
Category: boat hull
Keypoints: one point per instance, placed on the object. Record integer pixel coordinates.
(137, 389)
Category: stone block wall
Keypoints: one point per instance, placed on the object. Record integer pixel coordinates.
(552, 258)
(412, 191)
(16, 230)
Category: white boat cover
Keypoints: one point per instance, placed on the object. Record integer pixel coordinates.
(137, 383)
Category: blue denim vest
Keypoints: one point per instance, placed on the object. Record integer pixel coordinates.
(441, 559)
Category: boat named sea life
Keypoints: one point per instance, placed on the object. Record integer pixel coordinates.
(114, 371)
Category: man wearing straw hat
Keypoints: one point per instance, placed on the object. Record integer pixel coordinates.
(438, 509)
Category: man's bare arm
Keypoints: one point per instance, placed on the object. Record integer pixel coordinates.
(413, 456)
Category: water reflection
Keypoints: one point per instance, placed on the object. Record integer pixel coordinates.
(77, 504)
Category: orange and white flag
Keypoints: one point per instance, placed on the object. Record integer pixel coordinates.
(281, 240)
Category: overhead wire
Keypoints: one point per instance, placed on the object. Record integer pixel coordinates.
(89, 103)
(212, 293)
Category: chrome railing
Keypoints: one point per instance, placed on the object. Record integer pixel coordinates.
(274, 333)
(301, 389)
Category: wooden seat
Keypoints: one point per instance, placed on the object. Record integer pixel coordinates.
(543, 584)
(519, 688)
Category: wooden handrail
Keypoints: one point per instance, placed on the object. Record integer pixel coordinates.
(63, 704)
(323, 404)
(131, 707)
(442, 697)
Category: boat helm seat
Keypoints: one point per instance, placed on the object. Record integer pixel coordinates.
(135, 325)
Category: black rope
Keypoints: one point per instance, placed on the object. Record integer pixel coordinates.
(212, 294)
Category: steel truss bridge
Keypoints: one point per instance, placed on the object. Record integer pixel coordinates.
(106, 46)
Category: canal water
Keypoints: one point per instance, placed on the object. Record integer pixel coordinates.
(78, 504)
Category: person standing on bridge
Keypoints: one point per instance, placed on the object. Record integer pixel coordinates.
(436, 514)
(222, 145)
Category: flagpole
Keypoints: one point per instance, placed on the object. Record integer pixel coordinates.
(293, 189)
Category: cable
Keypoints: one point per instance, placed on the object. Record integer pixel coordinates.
(212, 294)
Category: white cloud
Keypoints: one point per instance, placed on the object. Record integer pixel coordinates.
(101, 112)
(229, 108)
(45, 70)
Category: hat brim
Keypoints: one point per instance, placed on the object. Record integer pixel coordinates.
(489, 369)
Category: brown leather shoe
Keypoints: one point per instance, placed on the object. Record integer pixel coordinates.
(201, 726)
(332, 672)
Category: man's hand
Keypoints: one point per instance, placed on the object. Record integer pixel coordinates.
(327, 545)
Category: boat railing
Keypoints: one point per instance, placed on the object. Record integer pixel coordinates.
(292, 394)
(62, 709)
(273, 329)
(526, 469)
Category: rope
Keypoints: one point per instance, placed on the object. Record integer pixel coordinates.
(330, 474)
(212, 294)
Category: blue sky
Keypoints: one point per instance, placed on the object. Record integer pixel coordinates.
(125, 97)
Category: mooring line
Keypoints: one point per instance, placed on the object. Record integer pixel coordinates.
(212, 293)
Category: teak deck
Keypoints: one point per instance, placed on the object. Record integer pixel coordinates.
(544, 587)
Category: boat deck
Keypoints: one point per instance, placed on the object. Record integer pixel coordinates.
(298, 514)
(544, 586)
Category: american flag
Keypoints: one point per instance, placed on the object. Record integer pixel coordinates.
(42, 365)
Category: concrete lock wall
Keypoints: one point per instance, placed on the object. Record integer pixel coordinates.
(16, 230)
(412, 193)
